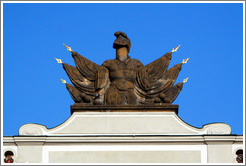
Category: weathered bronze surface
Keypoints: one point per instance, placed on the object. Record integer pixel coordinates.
(123, 81)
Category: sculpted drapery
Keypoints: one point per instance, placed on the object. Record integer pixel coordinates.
(123, 81)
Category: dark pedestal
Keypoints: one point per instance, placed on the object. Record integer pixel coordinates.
(80, 107)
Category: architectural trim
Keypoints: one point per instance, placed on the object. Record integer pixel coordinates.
(124, 123)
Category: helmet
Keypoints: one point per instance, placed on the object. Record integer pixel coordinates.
(121, 41)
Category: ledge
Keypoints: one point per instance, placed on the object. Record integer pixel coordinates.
(80, 107)
(171, 139)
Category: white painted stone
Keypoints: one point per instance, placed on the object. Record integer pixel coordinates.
(124, 123)
(124, 137)
(125, 149)
(125, 157)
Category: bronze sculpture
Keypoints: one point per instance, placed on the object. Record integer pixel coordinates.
(123, 81)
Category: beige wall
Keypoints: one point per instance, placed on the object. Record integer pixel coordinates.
(125, 157)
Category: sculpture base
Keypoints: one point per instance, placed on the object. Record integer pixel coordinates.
(80, 107)
(124, 123)
(125, 134)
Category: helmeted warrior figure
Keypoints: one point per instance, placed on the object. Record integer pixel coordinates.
(122, 73)
(123, 81)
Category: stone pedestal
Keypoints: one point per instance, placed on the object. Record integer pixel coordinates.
(79, 107)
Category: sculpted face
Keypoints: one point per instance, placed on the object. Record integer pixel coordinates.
(122, 53)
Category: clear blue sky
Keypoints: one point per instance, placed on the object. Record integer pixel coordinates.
(210, 34)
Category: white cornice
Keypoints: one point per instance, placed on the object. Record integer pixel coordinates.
(166, 139)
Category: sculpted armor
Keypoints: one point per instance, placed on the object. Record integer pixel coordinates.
(123, 81)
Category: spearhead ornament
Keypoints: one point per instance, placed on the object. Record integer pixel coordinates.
(68, 48)
(175, 49)
(185, 80)
(63, 81)
(185, 60)
(58, 60)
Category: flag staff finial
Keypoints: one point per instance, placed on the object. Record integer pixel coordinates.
(58, 60)
(185, 60)
(68, 48)
(185, 80)
(175, 49)
(63, 81)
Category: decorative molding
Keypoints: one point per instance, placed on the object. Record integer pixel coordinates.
(217, 128)
(32, 129)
